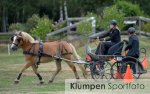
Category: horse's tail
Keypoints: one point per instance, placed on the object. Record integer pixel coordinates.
(81, 66)
(75, 52)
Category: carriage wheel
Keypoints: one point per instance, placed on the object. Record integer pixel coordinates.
(134, 69)
(99, 72)
(115, 71)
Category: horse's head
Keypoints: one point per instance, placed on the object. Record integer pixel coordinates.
(16, 40)
(21, 39)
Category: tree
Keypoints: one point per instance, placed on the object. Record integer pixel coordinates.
(144, 5)
(129, 9)
(18, 11)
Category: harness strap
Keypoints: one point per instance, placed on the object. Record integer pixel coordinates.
(40, 52)
(30, 53)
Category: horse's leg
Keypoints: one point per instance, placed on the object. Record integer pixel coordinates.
(71, 65)
(58, 65)
(27, 65)
(84, 73)
(38, 75)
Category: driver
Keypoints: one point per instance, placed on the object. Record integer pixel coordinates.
(113, 36)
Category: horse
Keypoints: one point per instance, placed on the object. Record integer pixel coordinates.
(36, 52)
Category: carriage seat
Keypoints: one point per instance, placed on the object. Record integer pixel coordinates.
(94, 56)
(116, 49)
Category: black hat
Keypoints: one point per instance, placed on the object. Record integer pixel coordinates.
(131, 30)
(113, 22)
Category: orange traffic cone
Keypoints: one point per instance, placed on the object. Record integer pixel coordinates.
(128, 78)
(145, 63)
(117, 75)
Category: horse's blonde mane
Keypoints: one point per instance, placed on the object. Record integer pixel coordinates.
(26, 37)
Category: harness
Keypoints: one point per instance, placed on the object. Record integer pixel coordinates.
(40, 53)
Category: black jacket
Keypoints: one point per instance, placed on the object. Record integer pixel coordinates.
(114, 36)
(133, 46)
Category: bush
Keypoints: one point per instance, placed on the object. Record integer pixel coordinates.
(110, 13)
(146, 27)
(118, 11)
(32, 22)
(17, 27)
(35, 25)
(84, 29)
(129, 9)
(44, 26)
(59, 25)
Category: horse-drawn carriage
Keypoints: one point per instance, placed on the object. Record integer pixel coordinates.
(114, 65)
(99, 65)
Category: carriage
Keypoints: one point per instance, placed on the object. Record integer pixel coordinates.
(114, 65)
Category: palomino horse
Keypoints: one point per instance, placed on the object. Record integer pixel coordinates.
(32, 52)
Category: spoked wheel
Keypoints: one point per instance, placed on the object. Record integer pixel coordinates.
(133, 67)
(115, 71)
(101, 71)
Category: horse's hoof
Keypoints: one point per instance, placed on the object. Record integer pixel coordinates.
(42, 82)
(16, 82)
(50, 81)
(78, 78)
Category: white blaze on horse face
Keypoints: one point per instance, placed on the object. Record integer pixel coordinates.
(13, 43)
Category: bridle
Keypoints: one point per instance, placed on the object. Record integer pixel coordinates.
(15, 44)
(18, 40)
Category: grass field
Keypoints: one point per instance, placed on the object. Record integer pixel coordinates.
(11, 64)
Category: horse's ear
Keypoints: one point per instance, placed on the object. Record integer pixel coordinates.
(20, 33)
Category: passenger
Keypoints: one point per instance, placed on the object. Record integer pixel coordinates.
(133, 44)
(114, 37)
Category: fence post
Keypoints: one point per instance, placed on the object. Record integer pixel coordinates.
(140, 23)
(8, 46)
(93, 22)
